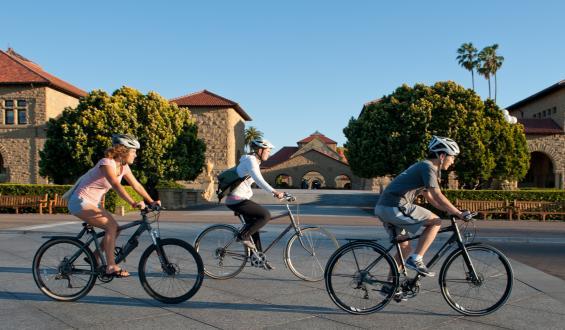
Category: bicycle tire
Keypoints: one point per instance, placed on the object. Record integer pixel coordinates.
(309, 262)
(347, 282)
(51, 271)
(221, 261)
(187, 271)
(462, 293)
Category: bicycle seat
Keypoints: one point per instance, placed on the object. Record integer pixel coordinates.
(84, 224)
(237, 214)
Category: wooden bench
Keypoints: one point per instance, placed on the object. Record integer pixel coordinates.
(18, 202)
(485, 207)
(57, 201)
(541, 208)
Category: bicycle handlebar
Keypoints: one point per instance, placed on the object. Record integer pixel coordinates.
(288, 197)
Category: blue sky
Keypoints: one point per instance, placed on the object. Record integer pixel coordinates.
(294, 66)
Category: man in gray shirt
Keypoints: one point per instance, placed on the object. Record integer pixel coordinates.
(397, 209)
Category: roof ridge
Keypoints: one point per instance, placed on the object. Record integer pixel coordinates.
(18, 61)
(187, 95)
(205, 91)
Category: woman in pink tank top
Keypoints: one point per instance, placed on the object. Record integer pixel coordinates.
(105, 175)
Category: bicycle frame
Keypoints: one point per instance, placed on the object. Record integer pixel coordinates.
(455, 238)
(143, 224)
(293, 225)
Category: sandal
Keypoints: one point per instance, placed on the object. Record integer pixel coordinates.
(120, 273)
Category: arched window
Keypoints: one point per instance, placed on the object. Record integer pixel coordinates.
(342, 181)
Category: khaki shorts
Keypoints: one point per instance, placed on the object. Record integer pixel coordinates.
(407, 219)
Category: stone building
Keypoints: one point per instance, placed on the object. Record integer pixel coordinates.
(221, 124)
(29, 97)
(543, 117)
(316, 162)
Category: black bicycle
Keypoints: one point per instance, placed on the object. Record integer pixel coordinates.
(475, 279)
(170, 270)
(306, 253)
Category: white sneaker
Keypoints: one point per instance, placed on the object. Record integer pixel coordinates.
(419, 266)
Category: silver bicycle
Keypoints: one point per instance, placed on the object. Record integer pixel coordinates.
(306, 253)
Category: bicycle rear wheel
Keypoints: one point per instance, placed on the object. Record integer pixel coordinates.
(476, 296)
(64, 269)
(356, 274)
(177, 280)
(223, 257)
(307, 259)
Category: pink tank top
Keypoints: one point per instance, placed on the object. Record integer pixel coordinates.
(94, 184)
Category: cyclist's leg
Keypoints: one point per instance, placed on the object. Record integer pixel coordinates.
(405, 247)
(101, 218)
(256, 216)
(431, 228)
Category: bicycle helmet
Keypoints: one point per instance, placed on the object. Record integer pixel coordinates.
(443, 144)
(261, 143)
(126, 140)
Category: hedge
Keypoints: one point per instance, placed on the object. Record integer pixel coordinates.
(112, 201)
(509, 195)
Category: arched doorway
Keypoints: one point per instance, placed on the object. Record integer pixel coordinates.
(283, 181)
(540, 174)
(313, 180)
(3, 171)
(342, 181)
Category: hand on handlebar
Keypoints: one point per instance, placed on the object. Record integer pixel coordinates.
(278, 194)
(466, 215)
(139, 205)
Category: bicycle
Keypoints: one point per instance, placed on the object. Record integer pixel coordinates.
(362, 276)
(224, 257)
(170, 270)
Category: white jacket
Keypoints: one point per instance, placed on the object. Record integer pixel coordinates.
(248, 166)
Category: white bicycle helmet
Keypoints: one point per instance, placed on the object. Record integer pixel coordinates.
(261, 143)
(443, 144)
(126, 140)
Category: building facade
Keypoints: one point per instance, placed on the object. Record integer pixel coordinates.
(29, 97)
(543, 117)
(316, 163)
(221, 124)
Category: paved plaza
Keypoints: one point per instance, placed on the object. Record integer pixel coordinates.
(254, 299)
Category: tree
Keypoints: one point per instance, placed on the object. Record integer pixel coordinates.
(168, 136)
(393, 133)
(467, 58)
(490, 63)
(251, 134)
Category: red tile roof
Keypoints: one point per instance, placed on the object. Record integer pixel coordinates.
(16, 69)
(319, 136)
(540, 126)
(279, 157)
(207, 99)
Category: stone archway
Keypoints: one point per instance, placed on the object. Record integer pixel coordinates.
(342, 181)
(283, 181)
(541, 173)
(4, 173)
(313, 180)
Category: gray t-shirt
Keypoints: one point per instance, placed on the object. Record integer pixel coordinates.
(409, 184)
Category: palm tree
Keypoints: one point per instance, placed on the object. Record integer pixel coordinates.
(467, 58)
(490, 62)
(251, 134)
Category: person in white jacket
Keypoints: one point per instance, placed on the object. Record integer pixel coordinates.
(239, 199)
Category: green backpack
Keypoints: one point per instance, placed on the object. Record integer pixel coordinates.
(228, 180)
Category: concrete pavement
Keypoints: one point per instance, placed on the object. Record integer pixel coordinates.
(255, 298)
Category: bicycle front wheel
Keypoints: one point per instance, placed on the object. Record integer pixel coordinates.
(361, 277)
(480, 295)
(174, 276)
(64, 269)
(307, 255)
(223, 257)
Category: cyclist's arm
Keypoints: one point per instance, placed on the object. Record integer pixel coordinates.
(109, 174)
(256, 175)
(138, 187)
(439, 201)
